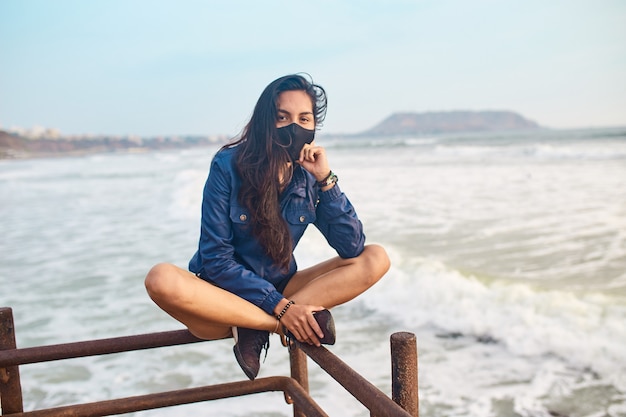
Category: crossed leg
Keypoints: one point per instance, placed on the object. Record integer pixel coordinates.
(209, 312)
(337, 280)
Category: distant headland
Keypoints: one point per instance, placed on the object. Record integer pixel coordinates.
(42, 142)
(461, 121)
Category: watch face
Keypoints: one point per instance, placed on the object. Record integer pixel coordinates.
(332, 178)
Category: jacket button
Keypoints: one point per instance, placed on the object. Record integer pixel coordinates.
(243, 217)
(302, 219)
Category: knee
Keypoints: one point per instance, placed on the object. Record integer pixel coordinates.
(160, 281)
(376, 261)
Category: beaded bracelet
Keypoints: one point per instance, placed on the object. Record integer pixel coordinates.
(285, 308)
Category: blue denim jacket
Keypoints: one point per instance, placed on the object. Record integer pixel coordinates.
(231, 258)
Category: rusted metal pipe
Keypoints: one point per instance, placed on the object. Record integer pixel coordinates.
(186, 396)
(404, 371)
(364, 391)
(295, 389)
(299, 372)
(95, 347)
(10, 386)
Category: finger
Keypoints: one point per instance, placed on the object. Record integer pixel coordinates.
(311, 338)
(309, 153)
(317, 332)
(308, 336)
(317, 152)
(302, 155)
(296, 333)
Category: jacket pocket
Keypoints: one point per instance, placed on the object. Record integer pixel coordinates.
(300, 216)
(239, 216)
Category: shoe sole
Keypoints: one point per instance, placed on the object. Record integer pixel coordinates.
(329, 331)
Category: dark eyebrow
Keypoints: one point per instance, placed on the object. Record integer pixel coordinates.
(303, 113)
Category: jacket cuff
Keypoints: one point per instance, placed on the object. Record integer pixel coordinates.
(271, 301)
(330, 195)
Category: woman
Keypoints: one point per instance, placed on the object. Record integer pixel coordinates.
(262, 192)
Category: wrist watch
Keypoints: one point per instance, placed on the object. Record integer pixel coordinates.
(330, 179)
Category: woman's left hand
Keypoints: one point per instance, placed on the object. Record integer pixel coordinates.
(300, 321)
(313, 159)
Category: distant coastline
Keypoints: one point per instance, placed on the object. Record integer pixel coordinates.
(16, 146)
(49, 143)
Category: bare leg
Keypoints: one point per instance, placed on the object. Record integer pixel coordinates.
(338, 280)
(207, 311)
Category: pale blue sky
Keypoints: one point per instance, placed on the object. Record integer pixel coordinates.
(153, 67)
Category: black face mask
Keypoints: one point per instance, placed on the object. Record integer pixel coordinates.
(293, 137)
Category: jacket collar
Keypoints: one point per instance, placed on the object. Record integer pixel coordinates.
(297, 185)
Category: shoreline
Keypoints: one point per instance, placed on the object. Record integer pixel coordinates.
(14, 147)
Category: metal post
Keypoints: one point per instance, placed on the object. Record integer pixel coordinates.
(299, 372)
(364, 391)
(10, 386)
(404, 372)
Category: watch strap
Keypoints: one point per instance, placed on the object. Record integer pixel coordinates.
(332, 178)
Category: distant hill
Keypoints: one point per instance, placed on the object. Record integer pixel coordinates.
(450, 121)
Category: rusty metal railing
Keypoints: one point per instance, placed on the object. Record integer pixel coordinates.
(404, 401)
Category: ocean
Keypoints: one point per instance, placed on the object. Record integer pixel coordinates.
(508, 263)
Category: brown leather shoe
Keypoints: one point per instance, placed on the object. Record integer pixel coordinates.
(327, 324)
(248, 346)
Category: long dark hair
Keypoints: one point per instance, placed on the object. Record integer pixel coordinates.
(261, 160)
